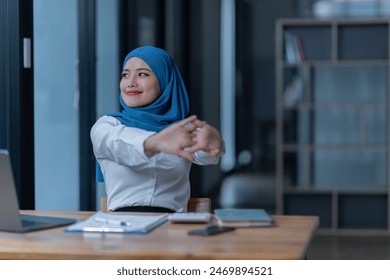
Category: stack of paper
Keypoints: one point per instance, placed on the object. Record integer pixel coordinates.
(243, 217)
(121, 223)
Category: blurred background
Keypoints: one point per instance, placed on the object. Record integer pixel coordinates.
(324, 153)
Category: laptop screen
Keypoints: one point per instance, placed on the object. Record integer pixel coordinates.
(9, 206)
(10, 217)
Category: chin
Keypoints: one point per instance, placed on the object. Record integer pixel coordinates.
(132, 104)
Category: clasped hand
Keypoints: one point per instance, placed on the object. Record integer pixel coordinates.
(185, 138)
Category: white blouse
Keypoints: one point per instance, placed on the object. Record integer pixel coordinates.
(134, 179)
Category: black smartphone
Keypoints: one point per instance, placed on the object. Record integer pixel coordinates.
(210, 230)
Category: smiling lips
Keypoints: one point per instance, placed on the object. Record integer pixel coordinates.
(133, 92)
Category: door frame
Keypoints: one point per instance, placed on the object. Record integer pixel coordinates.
(87, 101)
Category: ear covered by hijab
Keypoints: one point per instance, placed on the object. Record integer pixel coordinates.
(173, 104)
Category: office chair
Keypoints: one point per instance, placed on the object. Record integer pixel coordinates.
(195, 204)
(245, 190)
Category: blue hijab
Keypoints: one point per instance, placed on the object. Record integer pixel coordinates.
(173, 104)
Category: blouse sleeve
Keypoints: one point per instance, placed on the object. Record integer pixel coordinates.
(119, 143)
(203, 158)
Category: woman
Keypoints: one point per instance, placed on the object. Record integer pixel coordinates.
(145, 151)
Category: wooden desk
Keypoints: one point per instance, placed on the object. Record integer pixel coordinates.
(289, 239)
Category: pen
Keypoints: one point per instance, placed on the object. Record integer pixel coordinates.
(112, 222)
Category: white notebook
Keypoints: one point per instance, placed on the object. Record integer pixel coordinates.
(119, 223)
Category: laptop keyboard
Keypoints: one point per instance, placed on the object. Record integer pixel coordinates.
(33, 224)
(27, 223)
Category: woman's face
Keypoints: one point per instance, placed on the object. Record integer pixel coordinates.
(139, 86)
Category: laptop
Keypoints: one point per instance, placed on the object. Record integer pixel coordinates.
(10, 217)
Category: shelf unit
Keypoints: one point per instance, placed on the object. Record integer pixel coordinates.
(332, 99)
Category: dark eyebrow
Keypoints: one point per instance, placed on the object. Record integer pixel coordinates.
(143, 69)
(138, 69)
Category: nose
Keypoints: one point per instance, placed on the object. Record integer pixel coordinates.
(131, 82)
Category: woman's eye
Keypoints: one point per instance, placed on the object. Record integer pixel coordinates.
(125, 75)
(142, 74)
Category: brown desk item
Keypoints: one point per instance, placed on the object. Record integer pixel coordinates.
(289, 239)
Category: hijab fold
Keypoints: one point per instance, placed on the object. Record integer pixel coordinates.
(171, 106)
